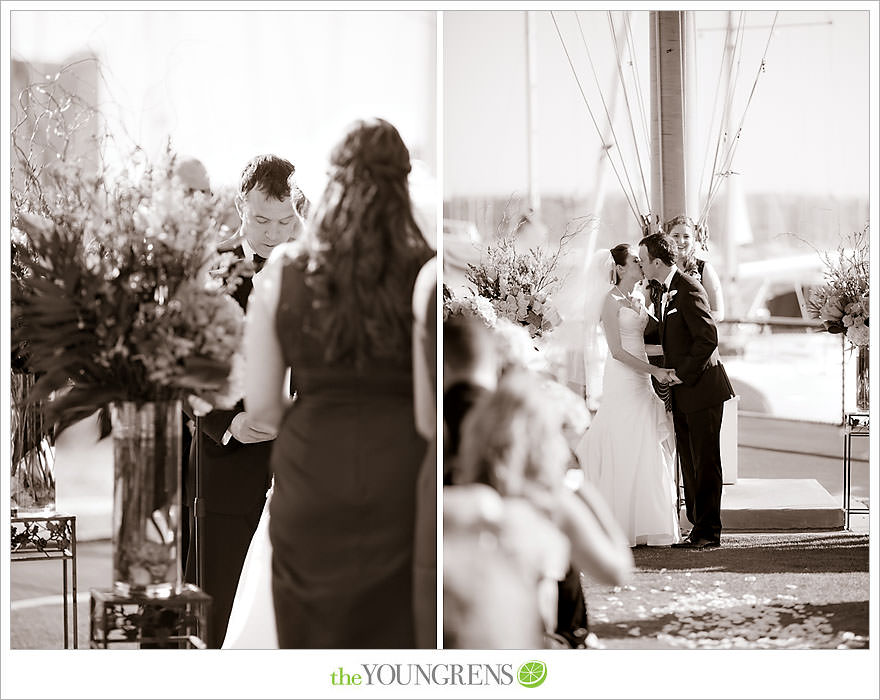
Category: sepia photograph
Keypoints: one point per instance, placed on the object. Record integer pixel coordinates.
(412, 349)
(223, 455)
(656, 329)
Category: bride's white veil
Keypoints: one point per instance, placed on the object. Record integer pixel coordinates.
(600, 270)
(576, 347)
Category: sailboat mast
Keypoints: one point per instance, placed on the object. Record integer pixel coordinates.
(670, 78)
(531, 92)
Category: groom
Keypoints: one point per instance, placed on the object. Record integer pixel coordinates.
(234, 450)
(690, 347)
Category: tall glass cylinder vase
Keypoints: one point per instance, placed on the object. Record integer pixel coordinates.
(863, 364)
(146, 498)
(32, 470)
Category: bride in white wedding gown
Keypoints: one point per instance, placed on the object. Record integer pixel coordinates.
(628, 451)
(252, 620)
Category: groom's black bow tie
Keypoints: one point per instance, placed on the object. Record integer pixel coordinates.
(259, 261)
(657, 289)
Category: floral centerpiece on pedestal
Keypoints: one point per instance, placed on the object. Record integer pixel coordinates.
(518, 285)
(126, 297)
(123, 303)
(842, 303)
(512, 295)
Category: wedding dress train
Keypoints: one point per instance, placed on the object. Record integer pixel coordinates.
(252, 620)
(628, 452)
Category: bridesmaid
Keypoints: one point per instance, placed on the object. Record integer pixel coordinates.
(336, 308)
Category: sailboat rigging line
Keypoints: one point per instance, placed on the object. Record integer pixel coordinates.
(718, 177)
(715, 181)
(685, 117)
(729, 161)
(608, 114)
(592, 117)
(712, 123)
(639, 92)
(632, 125)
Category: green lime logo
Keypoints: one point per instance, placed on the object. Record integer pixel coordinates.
(531, 674)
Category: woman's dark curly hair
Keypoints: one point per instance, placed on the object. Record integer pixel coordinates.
(363, 249)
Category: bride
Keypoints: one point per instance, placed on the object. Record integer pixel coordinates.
(252, 620)
(628, 452)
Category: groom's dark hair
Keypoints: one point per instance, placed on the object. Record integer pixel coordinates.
(273, 176)
(268, 173)
(660, 245)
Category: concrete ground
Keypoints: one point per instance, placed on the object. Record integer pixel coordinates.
(768, 449)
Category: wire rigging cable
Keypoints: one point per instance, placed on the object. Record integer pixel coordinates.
(630, 115)
(712, 120)
(607, 113)
(592, 117)
(639, 92)
(735, 141)
(715, 179)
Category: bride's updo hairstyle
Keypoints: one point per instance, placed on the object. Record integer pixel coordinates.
(619, 254)
(364, 249)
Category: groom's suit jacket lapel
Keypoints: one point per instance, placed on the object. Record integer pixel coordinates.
(690, 345)
(235, 475)
(670, 293)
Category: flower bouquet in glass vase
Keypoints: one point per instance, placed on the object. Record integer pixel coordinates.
(32, 485)
(126, 305)
(842, 304)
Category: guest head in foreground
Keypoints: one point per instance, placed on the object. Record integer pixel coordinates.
(513, 439)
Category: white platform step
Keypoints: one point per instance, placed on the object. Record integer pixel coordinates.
(755, 505)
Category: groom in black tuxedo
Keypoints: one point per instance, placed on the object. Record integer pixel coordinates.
(690, 347)
(234, 450)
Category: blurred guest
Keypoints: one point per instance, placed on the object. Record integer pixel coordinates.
(488, 601)
(470, 371)
(513, 442)
(192, 175)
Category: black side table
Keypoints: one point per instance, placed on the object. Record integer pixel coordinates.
(179, 621)
(855, 425)
(50, 537)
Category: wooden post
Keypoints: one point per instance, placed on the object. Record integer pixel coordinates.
(668, 190)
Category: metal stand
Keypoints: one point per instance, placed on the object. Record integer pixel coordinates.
(197, 540)
(179, 621)
(49, 537)
(855, 425)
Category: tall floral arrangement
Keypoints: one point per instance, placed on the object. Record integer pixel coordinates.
(842, 302)
(125, 297)
(119, 293)
(519, 285)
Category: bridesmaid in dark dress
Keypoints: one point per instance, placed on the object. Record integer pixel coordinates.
(335, 308)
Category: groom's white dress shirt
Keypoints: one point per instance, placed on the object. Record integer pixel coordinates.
(664, 302)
